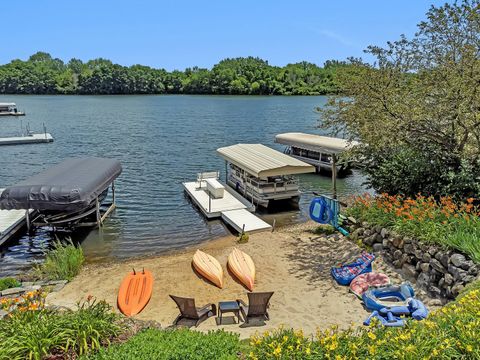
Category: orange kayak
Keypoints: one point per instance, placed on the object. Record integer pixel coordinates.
(242, 266)
(135, 292)
(209, 267)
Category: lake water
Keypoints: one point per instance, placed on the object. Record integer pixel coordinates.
(161, 141)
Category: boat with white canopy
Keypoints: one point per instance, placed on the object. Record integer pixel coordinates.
(262, 174)
(317, 150)
(10, 109)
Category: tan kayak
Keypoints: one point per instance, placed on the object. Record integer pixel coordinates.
(242, 266)
(209, 267)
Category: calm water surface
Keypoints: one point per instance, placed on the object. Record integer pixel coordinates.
(160, 141)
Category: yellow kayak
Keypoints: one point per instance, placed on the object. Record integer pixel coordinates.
(242, 266)
(209, 267)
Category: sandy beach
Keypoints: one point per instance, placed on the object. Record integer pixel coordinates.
(293, 261)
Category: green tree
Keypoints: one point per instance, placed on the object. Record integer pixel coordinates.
(43, 74)
(416, 110)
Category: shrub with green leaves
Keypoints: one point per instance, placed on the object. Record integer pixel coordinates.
(174, 344)
(324, 230)
(7, 283)
(34, 332)
(243, 238)
(62, 262)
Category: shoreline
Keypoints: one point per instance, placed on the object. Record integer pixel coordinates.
(292, 261)
(178, 250)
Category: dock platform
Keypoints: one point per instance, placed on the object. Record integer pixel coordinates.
(231, 208)
(11, 221)
(29, 139)
(240, 218)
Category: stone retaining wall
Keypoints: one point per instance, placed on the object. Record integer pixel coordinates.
(442, 273)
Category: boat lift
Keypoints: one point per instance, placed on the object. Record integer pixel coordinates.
(67, 195)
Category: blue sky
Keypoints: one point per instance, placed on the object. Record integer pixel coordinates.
(178, 34)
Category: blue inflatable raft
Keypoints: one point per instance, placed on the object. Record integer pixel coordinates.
(390, 316)
(388, 296)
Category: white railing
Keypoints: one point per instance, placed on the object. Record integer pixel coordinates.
(208, 175)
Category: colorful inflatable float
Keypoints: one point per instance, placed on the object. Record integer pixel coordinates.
(365, 281)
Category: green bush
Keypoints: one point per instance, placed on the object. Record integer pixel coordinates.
(63, 262)
(243, 238)
(7, 283)
(33, 331)
(174, 344)
(449, 333)
(92, 325)
(324, 230)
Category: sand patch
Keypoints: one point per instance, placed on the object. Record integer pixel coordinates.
(292, 261)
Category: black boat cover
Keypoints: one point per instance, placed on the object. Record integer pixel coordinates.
(69, 186)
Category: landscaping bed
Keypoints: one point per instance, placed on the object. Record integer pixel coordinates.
(435, 243)
(449, 333)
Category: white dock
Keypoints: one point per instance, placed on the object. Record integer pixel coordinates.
(29, 139)
(231, 208)
(11, 221)
(238, 218)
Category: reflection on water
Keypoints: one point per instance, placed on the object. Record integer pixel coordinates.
(160, 141)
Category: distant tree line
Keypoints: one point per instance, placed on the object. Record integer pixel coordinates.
(42, 74)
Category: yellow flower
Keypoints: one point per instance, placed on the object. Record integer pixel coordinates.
(469, 348)
(277, 351)
(371, 349)
(299, 333)
(308, 351)
(333, 346)
(410, 348)
(372, 336)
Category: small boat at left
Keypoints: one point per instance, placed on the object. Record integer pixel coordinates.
(10, 109)
(135, 292)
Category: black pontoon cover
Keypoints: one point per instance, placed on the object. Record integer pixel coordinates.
(69, 186)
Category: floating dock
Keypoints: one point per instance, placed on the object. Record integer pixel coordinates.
(29, 139)
(231, 207)
(11, 222)
(11, 113)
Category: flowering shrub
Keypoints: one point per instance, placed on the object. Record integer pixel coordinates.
(30, 301)
(449, 333)
(455, 225)
(34, 331)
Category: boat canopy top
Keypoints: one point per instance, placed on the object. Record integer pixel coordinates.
(72, 185)
(322, 144)
(4, 105)
(262, 161)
